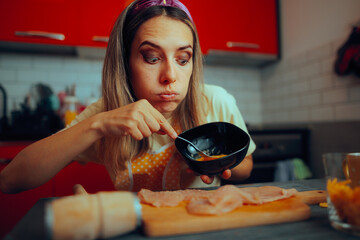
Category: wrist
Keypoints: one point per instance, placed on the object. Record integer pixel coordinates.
(96, 125)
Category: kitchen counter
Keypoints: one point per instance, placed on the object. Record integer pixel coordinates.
(316, 227)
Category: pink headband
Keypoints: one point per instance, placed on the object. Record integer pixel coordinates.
(142, 4)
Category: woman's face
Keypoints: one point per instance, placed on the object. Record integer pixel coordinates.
(161, 62)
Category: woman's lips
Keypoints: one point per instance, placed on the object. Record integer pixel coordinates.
(168, 96)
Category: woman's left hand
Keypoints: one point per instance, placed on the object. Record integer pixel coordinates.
(238, 173)
(209, 179)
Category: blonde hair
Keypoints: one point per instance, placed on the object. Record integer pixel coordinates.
(117, 90)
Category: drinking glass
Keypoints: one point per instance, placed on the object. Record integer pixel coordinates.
(342, 172)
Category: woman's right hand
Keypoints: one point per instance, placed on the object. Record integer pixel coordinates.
(139, 119)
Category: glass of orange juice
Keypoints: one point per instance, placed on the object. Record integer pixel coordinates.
(342, 172)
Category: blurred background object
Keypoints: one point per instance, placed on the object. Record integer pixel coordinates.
(348, 55)
(36, 118)
(3, 119)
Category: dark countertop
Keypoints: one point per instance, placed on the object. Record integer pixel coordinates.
(316, 227)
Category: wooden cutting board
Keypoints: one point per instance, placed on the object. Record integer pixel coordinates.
(166, 221)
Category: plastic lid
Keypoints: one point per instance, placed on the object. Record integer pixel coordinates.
(71, 99)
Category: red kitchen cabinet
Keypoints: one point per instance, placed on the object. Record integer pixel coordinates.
(59, 22)
(39, 21)
(96, 19)
(244, 26)
(9, 149)
(93, 177)
(240, 26)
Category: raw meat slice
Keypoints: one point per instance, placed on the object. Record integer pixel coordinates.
(170, 198)
(161, 199)
(268, 193)
(222, 200)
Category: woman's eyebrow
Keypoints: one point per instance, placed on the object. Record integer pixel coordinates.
(149, 43)
(185, 47)
(157, 46)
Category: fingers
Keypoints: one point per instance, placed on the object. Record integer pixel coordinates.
(165, 127)
(139, 120)
(79, 190)
(207, 179)
(156, 123)
(226, 174)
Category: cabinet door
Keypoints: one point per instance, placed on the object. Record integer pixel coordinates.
(39, 21)
(96, 19)
(93, 177)
(8, 150)
(236, 25)
(14, 206)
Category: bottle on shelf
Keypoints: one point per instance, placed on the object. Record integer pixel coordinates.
(70, 109)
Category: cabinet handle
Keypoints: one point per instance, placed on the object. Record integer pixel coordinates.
(55, 36)
(100, 39)
(242, 44)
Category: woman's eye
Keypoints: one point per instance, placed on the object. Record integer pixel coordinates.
(151, 59)
(183, 61)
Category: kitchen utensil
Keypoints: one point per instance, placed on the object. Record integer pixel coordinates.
(92, 216)
(214, 138)
(192, 148)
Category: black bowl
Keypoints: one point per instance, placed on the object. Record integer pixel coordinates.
(214, 139)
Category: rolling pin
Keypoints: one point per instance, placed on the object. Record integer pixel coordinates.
(92, 216)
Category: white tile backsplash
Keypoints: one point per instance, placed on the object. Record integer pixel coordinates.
(319, 53)
(19, 72)
(310, 99)
(16, 60)
(290, 76)
(354, 93)
(337, 95)
(31, 76)
(322, 113)
(48, 62)
(310, 69)
(299, 115)
(300, 87)
(7, 75)
(324, 81)
(348, 111)
(315, 92)
(243, 83)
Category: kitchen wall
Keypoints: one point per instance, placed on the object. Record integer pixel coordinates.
(244, 84)
(302, 89)
(18, 72)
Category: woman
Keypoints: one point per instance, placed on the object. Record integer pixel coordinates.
(152, 90)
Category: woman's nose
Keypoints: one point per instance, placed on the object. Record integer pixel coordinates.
(168, 73)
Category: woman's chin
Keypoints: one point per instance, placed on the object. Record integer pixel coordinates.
(166, 109)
